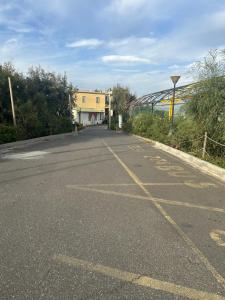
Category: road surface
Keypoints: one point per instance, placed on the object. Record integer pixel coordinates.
(105, 215)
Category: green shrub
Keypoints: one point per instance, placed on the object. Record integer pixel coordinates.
(114, 123)
(149, 125)
(188, 134)
(141, 123)
(7, 134)
(159, 129)
(60, 124)
(128, 126)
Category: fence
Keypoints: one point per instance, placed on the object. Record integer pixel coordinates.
(205, 143)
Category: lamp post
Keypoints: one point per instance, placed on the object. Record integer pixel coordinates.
(175, 80)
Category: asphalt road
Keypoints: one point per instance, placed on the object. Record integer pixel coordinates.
(105, 215)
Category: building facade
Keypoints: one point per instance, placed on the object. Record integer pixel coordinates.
(89, 107)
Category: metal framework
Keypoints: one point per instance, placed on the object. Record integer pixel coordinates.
(183, 93)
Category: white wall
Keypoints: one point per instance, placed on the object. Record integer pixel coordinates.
(84, 118)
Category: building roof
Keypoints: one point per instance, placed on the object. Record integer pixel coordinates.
(90, 92)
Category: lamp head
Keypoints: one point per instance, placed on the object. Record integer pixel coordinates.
(175, 79)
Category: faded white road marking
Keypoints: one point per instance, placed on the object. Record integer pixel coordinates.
(26, 155)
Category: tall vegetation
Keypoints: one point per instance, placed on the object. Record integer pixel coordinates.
(41, 103)
(122, 97)
(207, 107)
(205, 112)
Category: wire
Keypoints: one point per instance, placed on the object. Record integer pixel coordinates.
(216, 142)
(198, 139)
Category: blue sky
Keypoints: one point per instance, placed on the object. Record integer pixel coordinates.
(98, 43)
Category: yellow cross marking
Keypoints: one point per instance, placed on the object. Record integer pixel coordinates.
(138, 279)
(152, 199)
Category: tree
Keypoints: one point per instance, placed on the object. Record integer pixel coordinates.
(7, 70)
(121, 99)
(41, 101)
(207, 106)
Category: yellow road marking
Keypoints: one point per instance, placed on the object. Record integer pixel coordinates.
(216, 236)
(152, 199)
(197, 185)
(194, 248)
(163, 165)
(135, 148)
(138, 279)
(170, 168)
(200, 185)
(181, 174)
(105, 184)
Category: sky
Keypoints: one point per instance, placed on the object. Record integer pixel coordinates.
(99, 43)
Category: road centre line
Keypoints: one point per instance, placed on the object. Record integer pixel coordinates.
(190, 243)
(152, 199)
(138, 279)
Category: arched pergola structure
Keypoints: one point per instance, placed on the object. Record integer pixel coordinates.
(183, 94)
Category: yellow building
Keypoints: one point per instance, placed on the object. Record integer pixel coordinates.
(89, 107)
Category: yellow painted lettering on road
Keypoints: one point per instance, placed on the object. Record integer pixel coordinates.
(199, 185)
(169, 168)
(181, 174)
(138, 279)
(172, 170)
(137, 148)
(218, 236)
(154, 158)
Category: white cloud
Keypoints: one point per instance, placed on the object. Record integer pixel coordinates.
(89, 43)
(174, 67)
(9, 49)
(139, 9)
(124, 59)
(131, 42)
(21, 29)
(124, 6)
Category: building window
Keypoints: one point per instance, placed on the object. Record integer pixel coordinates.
(83, 99)
(97, 99)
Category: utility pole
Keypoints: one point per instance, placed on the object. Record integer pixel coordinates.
(12, 102)
(175, 80)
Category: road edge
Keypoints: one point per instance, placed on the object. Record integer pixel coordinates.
(23, 143)
(203, 166)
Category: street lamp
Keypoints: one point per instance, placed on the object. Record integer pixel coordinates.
(175, 80)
